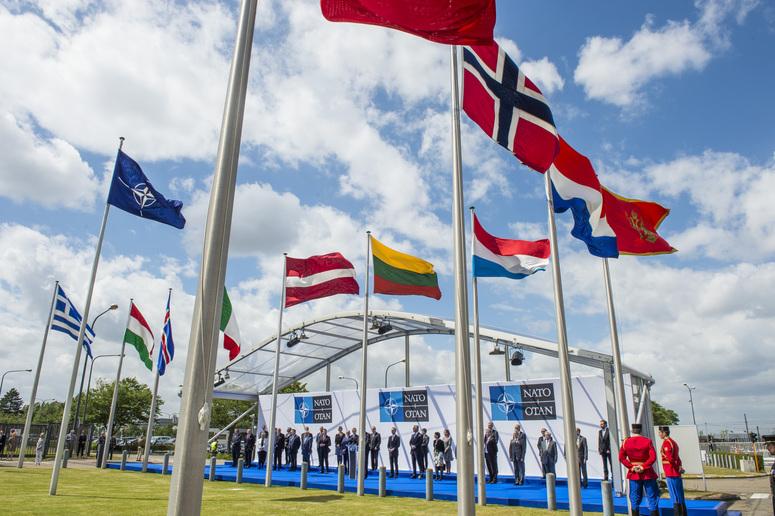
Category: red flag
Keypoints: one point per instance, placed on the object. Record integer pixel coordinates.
(508, 106)
(635, 223)
(454, 22)
(318, 276)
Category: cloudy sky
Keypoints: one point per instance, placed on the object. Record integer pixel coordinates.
(347, 129)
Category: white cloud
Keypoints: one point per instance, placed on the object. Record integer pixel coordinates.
(49, 172)
(616, 71)
(544, 73)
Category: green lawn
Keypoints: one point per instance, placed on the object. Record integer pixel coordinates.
(94, 492)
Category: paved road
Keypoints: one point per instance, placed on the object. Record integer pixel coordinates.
(759, 487)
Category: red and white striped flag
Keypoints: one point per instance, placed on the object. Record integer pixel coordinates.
(318, 276)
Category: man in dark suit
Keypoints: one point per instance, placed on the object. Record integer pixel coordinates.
(424, 447)
(491, 440)
(517, 450)
(250, 448)
(583, 451)
(279, 446)
(415, 445)
(294, 443)
(604, 448)
(366, 450)
(236, 448)
(541, 445)
(549, 458)
(393, 444)
(374, 445)
(324, 447)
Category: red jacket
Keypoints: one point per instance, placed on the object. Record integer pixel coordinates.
(638, 451)
(671, 462)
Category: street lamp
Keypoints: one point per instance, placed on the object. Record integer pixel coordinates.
(348, 378)
(391, 365)
(9, 372)
(83, 374)
(88, 383)
(691, 401)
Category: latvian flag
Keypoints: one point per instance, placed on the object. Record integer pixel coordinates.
(500, 258)
(501, 99)
(318, 276)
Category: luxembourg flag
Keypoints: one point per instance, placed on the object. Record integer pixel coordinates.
(500, 258)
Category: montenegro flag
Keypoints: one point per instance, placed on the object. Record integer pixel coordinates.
(635, 223)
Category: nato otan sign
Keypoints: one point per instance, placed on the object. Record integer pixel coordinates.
(532, 401)
(312, 409)
(403, 406)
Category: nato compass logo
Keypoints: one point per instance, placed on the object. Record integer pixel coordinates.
(143, 195)
(403, 406)
(523, 402)
(312, 409)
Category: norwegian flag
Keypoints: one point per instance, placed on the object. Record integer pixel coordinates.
(508, 106)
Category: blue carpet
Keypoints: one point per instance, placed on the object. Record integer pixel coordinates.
(531, 494)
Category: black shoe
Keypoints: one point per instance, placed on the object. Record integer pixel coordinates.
(654, 513)
(635, 512)
(412, 476)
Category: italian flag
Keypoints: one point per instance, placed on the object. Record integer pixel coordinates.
(139, 335)
(231, 338)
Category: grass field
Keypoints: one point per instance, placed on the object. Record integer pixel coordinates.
(94, 492)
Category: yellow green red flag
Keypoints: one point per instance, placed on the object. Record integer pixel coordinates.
(402, 274)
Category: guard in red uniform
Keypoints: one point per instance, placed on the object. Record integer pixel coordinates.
(637, 454)
(671, 465)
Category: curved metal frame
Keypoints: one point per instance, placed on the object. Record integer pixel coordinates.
(427, 326)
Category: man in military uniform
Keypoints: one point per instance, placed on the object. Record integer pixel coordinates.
(671, 465)
(637, 454)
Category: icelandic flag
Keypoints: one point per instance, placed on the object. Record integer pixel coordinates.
(508, 106)
(67, 319)
(575, 187)
(167, 348)
(131, 191)
(500, 258)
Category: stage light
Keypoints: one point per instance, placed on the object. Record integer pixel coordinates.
(303, 335)
(375, 323)
(226, 374)
(293, 340)
(384, 328)
(497, 350)
(517, 358)
(220, 380)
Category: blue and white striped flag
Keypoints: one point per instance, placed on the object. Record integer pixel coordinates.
(67, 319)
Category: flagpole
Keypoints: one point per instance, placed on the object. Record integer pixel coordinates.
(31, 406)
(621, 405)
(569, 417)
(114, 400)
(52, 490)
(482, 488)
(149, 430)
(362, 416)
(464, 434)
(185, 496)
(273, 409)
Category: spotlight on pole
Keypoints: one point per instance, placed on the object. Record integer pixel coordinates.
(375, 323)
(295, 339)
(517, 358)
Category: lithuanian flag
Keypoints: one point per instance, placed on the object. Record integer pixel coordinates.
(402, 274)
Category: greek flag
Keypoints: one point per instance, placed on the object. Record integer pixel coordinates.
(68, 320)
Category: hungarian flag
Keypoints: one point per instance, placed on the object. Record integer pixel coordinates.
(402, 274)
(231, 337)
(453, 22)
(508, 106)
(635, 223)
(318, 276)
(139, 335)
(501, 258)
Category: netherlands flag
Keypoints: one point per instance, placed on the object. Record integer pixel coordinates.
(500, 258)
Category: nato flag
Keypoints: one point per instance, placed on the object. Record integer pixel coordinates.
(131, 191)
